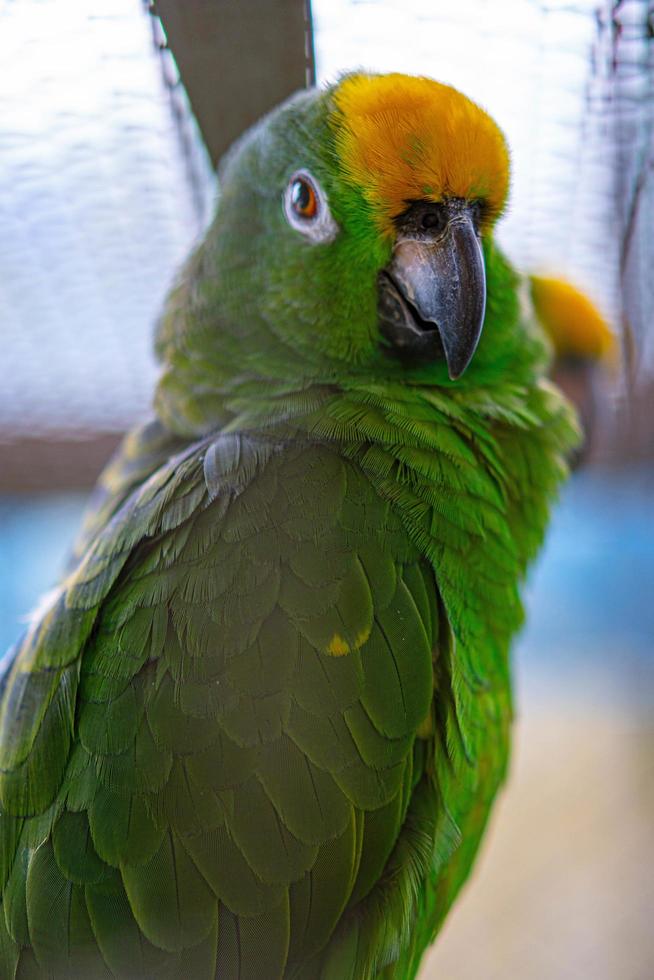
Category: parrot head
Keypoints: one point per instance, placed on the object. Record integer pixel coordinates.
(350, 240)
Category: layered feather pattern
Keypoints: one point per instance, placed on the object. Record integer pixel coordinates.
(223, 779)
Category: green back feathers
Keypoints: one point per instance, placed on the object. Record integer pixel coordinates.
(224, 760)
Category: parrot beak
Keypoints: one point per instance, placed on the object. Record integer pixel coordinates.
(432, 295)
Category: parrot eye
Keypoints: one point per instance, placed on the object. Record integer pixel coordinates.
(306, 208)
(304, 199)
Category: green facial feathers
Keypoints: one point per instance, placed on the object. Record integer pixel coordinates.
(259, 729)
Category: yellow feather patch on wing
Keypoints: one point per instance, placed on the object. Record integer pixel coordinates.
(573, 323)
(402, 138)
(338, 646)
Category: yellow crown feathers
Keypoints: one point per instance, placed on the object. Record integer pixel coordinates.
(402, 138)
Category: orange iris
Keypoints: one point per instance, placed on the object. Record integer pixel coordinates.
(304, 199)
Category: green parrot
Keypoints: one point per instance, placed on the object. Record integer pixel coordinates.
(258, 728)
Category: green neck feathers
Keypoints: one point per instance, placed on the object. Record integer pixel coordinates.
(471, 465)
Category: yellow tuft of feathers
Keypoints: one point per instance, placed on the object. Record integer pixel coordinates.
(573, 323)
(402, 138)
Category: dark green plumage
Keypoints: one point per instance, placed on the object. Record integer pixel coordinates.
(258, 731)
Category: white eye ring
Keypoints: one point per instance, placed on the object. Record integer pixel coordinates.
(317, 223)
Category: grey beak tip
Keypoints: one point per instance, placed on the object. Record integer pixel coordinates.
(455, 371)
(459, 359)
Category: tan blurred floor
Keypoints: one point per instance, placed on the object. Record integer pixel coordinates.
(564, 887)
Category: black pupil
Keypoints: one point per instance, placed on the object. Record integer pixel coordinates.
(300, 196)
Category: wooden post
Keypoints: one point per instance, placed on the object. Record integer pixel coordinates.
(237, 59)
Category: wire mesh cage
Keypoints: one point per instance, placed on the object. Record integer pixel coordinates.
(106, 182)
(99, 205)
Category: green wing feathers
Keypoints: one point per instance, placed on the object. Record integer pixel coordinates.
(225, 698)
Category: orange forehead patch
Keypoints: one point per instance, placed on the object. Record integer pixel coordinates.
(401, 138)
